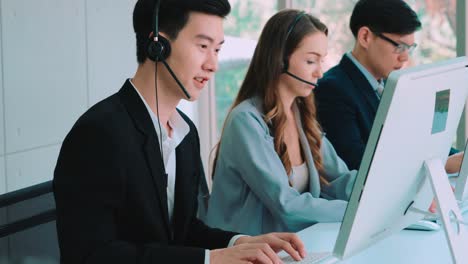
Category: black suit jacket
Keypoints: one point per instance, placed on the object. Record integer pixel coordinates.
(110, 190)
(346, 108)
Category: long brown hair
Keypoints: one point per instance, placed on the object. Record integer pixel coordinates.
(277, 42)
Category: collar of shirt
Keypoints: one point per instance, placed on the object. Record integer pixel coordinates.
(180, 128)
(372, 81)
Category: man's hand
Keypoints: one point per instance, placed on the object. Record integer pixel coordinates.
(248, 253)
(433, 207)
(260, 249)
(288, 242)
(454, 163)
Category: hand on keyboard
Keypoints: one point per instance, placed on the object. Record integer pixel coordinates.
(311, 258)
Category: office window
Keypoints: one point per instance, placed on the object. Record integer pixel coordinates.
(242, 29)
(335, 14)
(436, 40)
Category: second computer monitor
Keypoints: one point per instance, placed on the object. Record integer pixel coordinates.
(416, 121)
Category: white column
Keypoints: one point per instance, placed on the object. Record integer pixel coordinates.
(207, 127)
(462, 48)
(282, 4)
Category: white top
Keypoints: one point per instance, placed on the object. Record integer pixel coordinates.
(300, 177)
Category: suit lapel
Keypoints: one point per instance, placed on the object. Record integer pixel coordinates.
(361, 84)
(154, 160)
(137, 110)
(185, 187)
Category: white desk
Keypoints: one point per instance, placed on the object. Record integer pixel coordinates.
(405, 247)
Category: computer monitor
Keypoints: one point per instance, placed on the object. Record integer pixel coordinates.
(416, 121)
(461, 186)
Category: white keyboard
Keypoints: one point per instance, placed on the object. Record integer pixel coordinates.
(311, 258)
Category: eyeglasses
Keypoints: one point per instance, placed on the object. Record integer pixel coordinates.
(399, 47)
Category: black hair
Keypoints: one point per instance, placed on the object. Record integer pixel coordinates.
(384, 16)
(173, 16)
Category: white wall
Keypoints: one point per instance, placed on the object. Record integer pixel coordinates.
(58, 58)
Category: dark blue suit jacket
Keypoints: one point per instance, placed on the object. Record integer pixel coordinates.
(346, 108)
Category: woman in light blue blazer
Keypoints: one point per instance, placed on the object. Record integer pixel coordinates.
(274, 169)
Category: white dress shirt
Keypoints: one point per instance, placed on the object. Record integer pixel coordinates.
(180, 129)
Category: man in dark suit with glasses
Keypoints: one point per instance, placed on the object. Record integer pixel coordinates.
(348, 95)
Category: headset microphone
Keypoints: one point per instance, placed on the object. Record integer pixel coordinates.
(300, 79)
(176, 79)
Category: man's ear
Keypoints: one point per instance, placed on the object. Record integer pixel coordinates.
(364, 37)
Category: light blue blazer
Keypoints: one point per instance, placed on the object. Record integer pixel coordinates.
(251, 192)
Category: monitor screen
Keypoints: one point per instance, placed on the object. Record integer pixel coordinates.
(416, 121)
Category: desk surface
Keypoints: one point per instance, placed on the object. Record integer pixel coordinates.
(407, 246)
(404, 247)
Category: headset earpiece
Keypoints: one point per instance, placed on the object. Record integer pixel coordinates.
(159, 50)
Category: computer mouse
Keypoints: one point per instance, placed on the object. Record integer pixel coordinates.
(424, 225)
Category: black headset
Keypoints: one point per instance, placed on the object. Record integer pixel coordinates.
(285, 57)
(290, 29)
(159, 48)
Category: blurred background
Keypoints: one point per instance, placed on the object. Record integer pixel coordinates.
(59, 57)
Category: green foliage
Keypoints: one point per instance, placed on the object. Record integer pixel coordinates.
(244, 20)
(227, 83)
(436, 41)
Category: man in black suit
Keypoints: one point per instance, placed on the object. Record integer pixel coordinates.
(348, 94)
(121, 195)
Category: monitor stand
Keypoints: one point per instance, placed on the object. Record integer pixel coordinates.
(448, 209)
